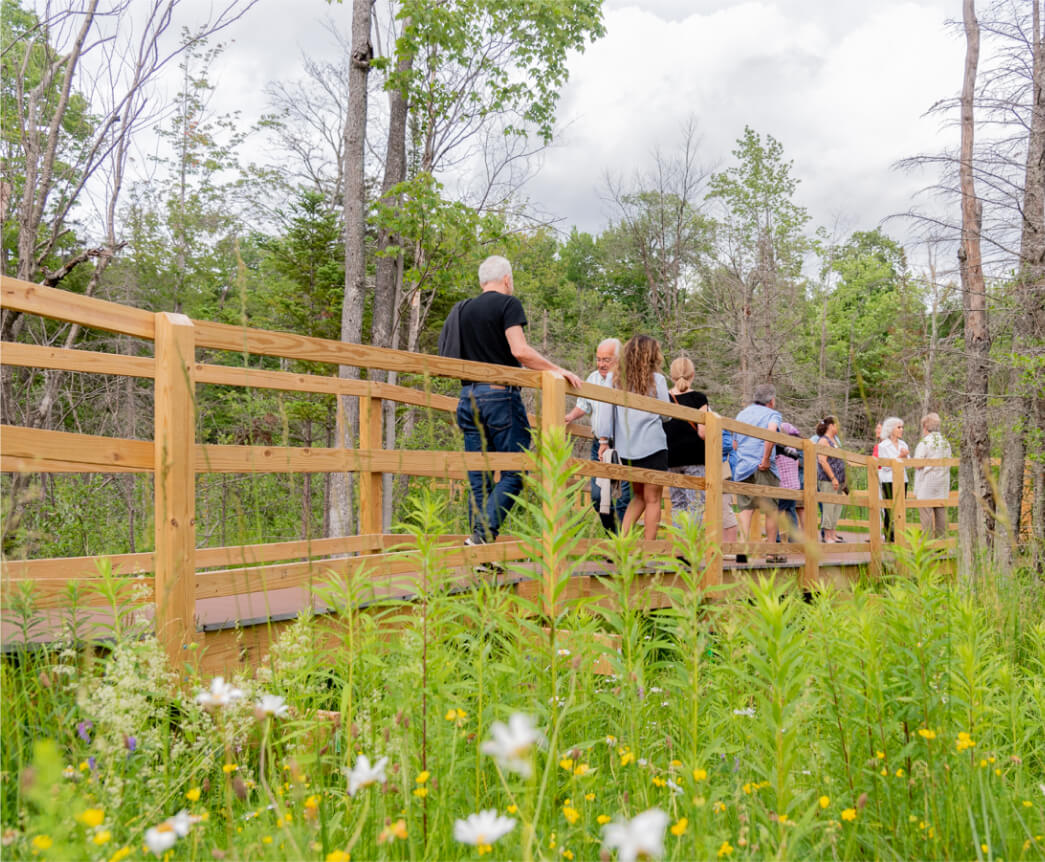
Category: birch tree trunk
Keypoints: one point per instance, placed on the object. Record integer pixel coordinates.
(976, 496)
(341, 520)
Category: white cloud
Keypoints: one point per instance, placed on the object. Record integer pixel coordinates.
(842, 86)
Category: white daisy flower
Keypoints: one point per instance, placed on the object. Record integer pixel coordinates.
(641, 837)
(363, 774)
(272, 704)
(483, 829)
(160, 839)
(221, 694)
(512, 743)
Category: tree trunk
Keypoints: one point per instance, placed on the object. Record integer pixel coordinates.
(976, 496)
(355, 252)
(1021, 406)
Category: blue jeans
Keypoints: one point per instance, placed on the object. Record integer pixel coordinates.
(492, 419)
(611, 523)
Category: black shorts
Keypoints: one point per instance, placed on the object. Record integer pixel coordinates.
(656, 461)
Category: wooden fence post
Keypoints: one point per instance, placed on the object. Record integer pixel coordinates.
(713, 498)
(810, 525)
(899, 505)
(370, 482)
(874, 516)
(175, 484)
(552, 413)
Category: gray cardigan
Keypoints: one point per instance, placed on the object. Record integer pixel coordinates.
(635, 433)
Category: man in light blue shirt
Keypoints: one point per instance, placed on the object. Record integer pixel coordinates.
(756, 462)
(607, 355)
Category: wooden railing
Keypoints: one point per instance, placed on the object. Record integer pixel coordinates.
(183, 573)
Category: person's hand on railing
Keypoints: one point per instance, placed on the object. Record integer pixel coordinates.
(571, 378)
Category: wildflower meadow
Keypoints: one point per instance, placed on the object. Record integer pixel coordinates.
(901, 720)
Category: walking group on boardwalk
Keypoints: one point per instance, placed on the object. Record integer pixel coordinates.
(492, 418)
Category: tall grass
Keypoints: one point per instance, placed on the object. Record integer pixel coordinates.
(903, 720)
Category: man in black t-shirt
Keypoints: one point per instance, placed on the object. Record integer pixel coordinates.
(492, 416)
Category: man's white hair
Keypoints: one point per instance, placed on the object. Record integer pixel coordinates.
(611, 342)
(494, 268)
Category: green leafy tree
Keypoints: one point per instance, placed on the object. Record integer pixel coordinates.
(757, 290)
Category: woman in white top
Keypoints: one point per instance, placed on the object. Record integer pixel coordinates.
(638, 435)
(932, 483)
(891, 447)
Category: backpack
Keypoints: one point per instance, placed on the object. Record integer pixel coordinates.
(450, 334)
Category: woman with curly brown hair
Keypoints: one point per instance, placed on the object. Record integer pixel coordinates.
(638, 435)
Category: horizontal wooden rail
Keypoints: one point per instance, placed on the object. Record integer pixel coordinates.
(71, 307)
(93, 453)
(123, 565)
(88, 361)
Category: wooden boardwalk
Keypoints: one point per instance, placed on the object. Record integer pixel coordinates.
(231, 600)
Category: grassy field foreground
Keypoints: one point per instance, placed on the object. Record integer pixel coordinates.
(902, 721)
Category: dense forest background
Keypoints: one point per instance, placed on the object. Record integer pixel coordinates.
(390, 175)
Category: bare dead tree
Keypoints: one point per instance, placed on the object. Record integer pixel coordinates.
(355, 248)
(976, 500)
(87, 67)
(1025, 402)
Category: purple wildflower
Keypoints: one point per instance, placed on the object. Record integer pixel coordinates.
(83, 730)
(91, 762)
(130, 742)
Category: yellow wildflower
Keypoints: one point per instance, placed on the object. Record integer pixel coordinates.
(884, 771)
(456, 715)
(984, 848)
(899, 773)
(589, 796)
(312, 801)
(926, 733)
(719, 807)
(997, 771)
(572, 815)
(825, 801)
(513, 808)
(626, 758)
(193, 794)
(120, 854)
(266, 839)
(422, 777)
(880, 755)
(658, 781)
(103, 837)
(725, 850)
(1027, 803)
(849, 814)
(983, 763)
(964, 741)
(566, 763)
(42, 842)
(92, 817)
(700, 774)
(581, 769)
(680, 827)
(338, 856)
(783, 818)
(676, 763)
(747, 788)
(420, 792)
(229, 767)
(602, 819)
(566, 854)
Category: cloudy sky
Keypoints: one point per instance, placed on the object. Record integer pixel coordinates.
(842, 84)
